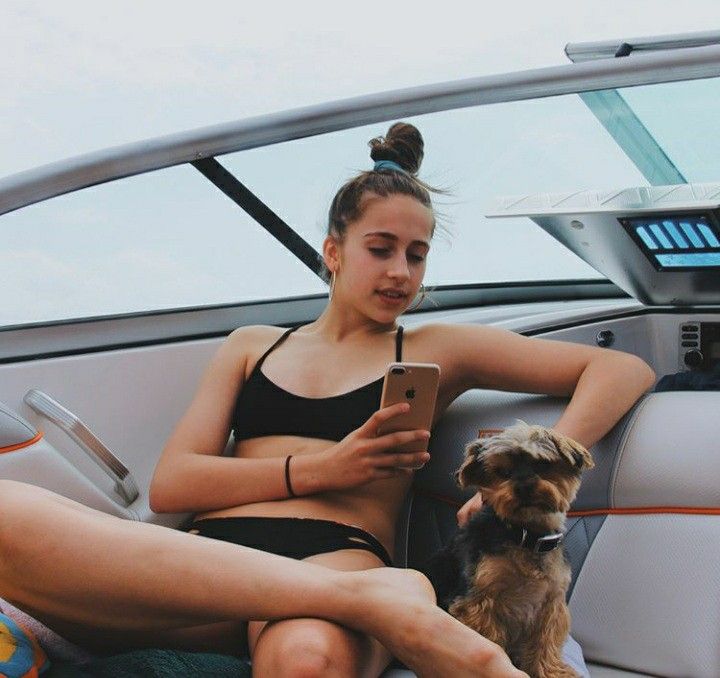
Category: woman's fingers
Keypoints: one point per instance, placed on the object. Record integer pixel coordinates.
(371, 426)
(407, 460)
(470, 507)
(391, 440)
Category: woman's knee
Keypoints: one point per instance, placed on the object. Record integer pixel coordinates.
(307, 649)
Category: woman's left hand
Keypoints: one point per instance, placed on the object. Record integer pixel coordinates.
(470, 507)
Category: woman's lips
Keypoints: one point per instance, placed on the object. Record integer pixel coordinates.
(392, 297)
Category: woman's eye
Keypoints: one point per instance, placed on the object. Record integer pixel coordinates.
(379, 251)
(416, 258)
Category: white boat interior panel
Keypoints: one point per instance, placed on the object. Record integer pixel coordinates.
(647, 597)
(661, 244)
(668, 454)
(163, 377)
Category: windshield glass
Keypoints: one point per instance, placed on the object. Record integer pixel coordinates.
(172, 240)
(683, 118)
(476, 154)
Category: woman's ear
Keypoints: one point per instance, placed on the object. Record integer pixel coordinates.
(331, 253)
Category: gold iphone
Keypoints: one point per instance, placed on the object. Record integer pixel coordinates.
(416, 384)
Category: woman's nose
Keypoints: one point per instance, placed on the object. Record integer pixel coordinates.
(399, 268)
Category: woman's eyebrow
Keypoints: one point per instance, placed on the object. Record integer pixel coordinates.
(392, 236)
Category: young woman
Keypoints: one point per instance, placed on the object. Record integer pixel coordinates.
(311, 478)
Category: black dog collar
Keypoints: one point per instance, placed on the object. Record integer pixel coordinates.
(489, 533)
(536, 542)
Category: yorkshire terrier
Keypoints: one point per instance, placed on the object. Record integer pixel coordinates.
(505, 574)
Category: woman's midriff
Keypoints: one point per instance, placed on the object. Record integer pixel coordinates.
(373, 507)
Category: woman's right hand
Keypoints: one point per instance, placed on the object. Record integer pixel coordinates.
(363, 455)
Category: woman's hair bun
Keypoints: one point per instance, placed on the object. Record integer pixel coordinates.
(402, 144)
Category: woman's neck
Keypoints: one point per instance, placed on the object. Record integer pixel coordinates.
(340, 323)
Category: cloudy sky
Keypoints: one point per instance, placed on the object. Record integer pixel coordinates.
(77, 76)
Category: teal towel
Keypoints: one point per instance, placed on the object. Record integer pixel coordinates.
(155, 664)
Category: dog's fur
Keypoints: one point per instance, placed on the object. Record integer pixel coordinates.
(528, 476)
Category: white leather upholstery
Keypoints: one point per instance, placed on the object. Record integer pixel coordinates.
(14, 430)
(669, 455)
(40, 464)
(648, 596)
(597, 671)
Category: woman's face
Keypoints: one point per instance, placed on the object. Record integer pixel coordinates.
(381, 260)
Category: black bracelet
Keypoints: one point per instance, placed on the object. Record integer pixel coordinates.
(290, 490)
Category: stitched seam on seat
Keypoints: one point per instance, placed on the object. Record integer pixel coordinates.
(571, 588)
(582, 564)
(621, 451)
(575, 524)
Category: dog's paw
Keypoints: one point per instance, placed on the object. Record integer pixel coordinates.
(555, 671)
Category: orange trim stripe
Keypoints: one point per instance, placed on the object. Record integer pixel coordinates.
(643, 510)
(19, 446)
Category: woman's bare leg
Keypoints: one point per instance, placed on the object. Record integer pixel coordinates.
(317, 646)
(62, 561)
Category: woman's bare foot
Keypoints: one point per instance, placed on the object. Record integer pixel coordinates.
(399, 610)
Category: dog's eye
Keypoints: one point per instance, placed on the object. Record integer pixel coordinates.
(541, 466)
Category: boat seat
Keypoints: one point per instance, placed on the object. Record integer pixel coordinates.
(643, 535)
(596, 671)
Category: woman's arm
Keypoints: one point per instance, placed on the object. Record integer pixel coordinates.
(191, 474)
(603, 384)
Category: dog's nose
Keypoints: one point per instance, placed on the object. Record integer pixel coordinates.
(525, 474)
(524, 488)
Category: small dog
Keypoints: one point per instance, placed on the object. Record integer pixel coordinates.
(504, 574)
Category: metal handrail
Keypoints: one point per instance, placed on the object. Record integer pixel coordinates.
(31, 186)
(88, 442)
(610, 49)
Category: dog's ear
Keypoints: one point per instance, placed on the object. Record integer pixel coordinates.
(472, 471)
(573, 450)
(475, 449)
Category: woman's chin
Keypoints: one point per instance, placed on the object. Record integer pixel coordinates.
(386, 316)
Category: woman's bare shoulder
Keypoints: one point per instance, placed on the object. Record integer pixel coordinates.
(446, 335)
(251, 337)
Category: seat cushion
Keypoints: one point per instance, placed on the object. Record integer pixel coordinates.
(597, 671)
(156, 663)
(20, 653)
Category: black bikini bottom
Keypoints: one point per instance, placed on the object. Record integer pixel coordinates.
(291, 537)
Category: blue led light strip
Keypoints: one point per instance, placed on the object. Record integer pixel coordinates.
(661, 237)
(680, 242)
(675, 234)
(690, 232)
(649, 242)
(709, 235)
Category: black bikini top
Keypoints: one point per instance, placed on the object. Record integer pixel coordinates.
(265, 409)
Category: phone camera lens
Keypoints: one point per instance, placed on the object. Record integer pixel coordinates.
(398, 370)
